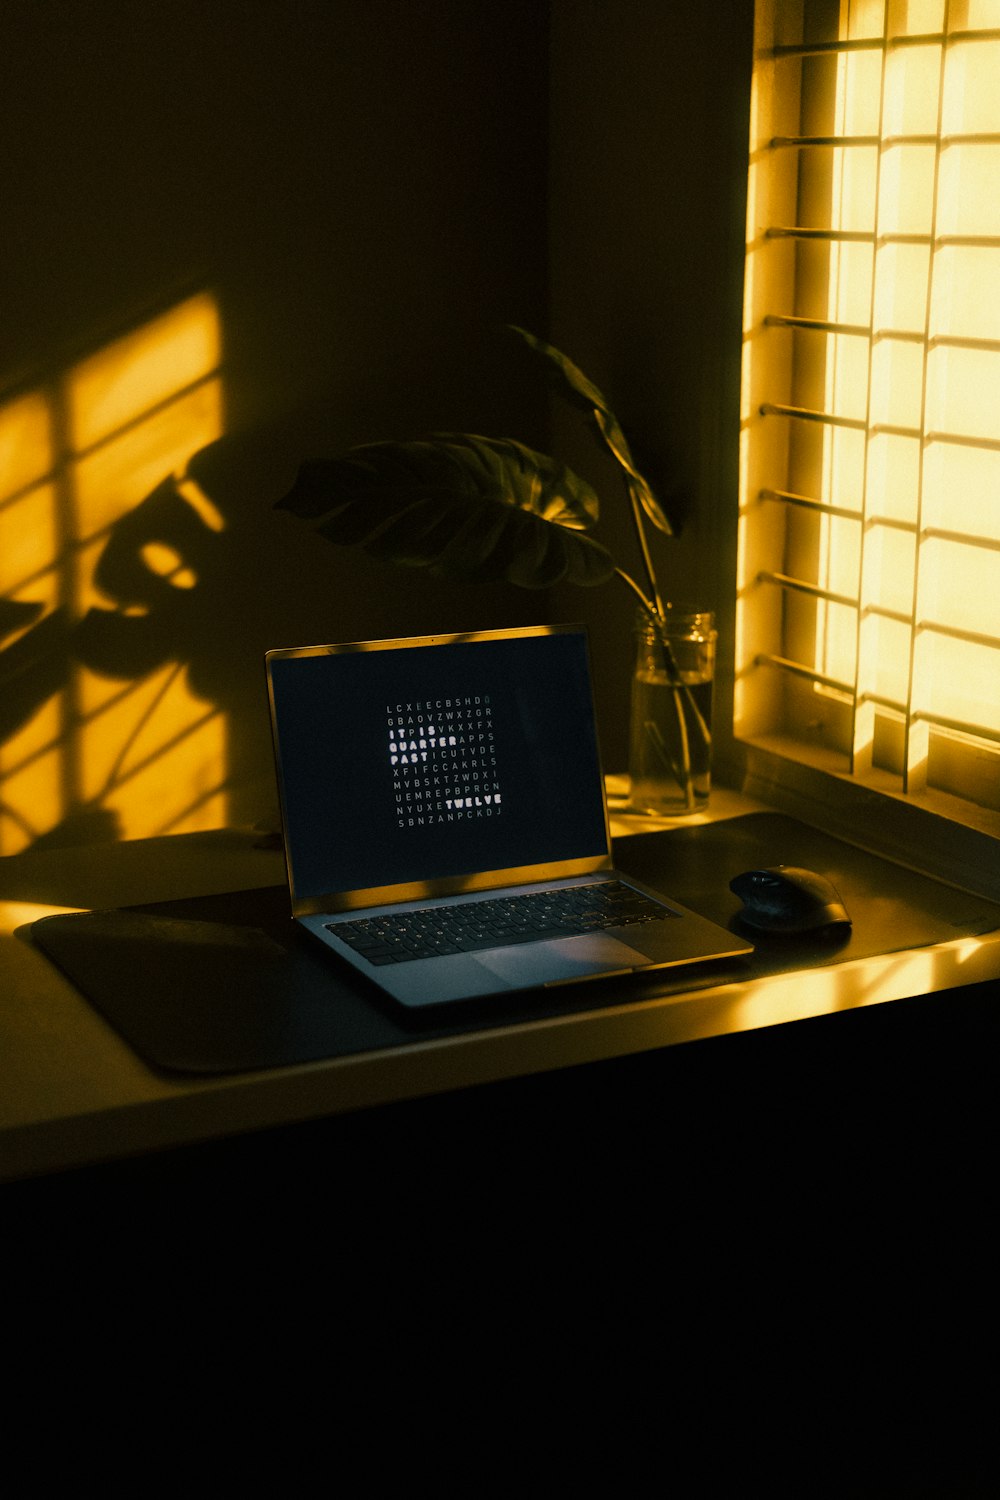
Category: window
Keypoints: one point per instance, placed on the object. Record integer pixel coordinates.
(868, 626)
(94, 742)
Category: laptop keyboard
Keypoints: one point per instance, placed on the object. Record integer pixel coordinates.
(471, 926)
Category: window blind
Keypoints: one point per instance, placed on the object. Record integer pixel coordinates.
(868, 625)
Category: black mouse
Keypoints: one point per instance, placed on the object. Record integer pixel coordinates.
(788, 900)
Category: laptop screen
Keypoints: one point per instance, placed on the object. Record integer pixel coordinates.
(403, 763)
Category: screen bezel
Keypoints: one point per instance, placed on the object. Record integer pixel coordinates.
(340, 901)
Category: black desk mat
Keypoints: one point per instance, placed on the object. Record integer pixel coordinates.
(227, 983)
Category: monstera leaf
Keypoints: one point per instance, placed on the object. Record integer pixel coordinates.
(585, 395)
(482, 509)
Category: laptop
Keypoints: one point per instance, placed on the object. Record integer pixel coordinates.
(445, 821)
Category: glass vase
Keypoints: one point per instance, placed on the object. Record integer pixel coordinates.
(670, 733)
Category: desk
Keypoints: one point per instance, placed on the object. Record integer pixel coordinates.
(73, 1093)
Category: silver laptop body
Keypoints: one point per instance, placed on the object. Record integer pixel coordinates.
(421, 775)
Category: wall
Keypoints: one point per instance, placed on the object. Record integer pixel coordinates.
(366, 192)
(357, 187)
(650, 120)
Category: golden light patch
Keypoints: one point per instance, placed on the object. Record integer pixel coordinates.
(25, 443)
(143, 370)
(76, 457)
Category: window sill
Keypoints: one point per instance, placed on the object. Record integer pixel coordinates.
(940, 835)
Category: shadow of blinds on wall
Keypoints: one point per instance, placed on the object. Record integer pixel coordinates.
(90, 753)
(868, 632)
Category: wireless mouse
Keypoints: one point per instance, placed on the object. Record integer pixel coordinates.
(787, 900)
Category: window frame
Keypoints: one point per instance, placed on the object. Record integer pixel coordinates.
(946, 835)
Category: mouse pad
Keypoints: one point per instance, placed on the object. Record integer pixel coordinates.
(228, 983)
(891, 907)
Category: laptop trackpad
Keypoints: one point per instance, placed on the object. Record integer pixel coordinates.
(564, 958)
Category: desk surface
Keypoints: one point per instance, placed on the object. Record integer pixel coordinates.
(72, 1092)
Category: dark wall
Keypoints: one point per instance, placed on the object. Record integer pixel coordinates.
(650, 122)
(371, 189)
(361, 185)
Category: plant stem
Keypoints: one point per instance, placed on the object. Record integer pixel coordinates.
(682, 698)
(649, 605)
(634, 483)
(640, 532)
(658, 623)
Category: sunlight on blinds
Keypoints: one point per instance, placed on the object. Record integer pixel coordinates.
(885, 554)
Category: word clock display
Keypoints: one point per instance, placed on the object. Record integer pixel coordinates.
(443, 757)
